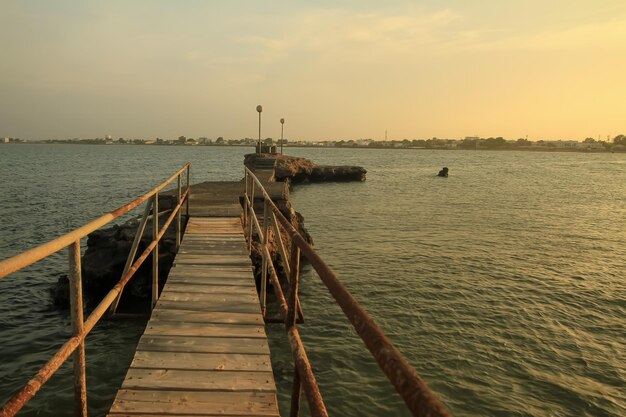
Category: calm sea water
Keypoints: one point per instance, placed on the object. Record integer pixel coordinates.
(502, 284)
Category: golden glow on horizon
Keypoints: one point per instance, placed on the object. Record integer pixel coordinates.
(338, 71)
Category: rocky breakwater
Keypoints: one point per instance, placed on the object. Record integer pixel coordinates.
(104, 259)
(301, 170)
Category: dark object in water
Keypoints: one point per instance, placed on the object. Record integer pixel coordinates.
(443, 172)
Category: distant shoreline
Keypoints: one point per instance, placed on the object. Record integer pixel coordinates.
(520, 149)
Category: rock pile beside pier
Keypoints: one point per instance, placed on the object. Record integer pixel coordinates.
(104, 259)
(302, 170)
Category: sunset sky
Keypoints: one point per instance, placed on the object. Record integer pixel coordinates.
(332, 69)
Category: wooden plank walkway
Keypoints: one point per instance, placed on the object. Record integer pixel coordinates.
(204, 351)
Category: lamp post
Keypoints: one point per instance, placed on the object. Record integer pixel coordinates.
(282, 125)
(259, 108)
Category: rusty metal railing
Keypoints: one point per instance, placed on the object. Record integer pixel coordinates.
(80, 329)
(418, 397)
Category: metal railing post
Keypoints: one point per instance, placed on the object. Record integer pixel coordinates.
(178, 216)
(189, 194)
(281, 246)
(155, 253)
(293, 286)
(245, 201)
(295, 394)
(264, 239)
(76, 308)
(250, 217)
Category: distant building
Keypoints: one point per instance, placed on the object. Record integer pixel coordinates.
(589, 146)
(5, 140)
(566, 144)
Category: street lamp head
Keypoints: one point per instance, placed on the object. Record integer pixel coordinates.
(282, 121)
(259, 108)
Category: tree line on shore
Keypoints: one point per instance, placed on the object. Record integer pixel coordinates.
(617, 143)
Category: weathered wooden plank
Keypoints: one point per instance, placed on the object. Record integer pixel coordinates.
(205, 330)
(200, 306)
(200, 261)
(211, 298)
(199, 380)
(214, 228)
(163, 314)
(209, 289)
(213, 258)
(234, 271)
(214, 221)
(209, 247)
(221, 250)
(223, 237)
(202, 361)
(214, 242)
(227, 232)
(214, 236)
(211, 238)
(197, 240)
(208, 280)
(211, 225)
(216, 270)
(196, 403)
(212, 269)
(203, 344)
(177, 415)
(223, 260)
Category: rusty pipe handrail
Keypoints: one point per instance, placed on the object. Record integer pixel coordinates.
(82, 329)
(304, 375)
(31, 256)
(418, 397)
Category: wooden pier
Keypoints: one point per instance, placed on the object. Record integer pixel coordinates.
(204, 351)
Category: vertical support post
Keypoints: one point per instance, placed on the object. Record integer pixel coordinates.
(188, 189)
(133, 251)
(264, 239)
(283, 254)
(279, 242)
(178, 216)
(245, 201)
(295, 394)
(293, 286)
(251, 213)
(155, 252)
(76, 305)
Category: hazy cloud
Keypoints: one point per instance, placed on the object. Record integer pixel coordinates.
(341, 69)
